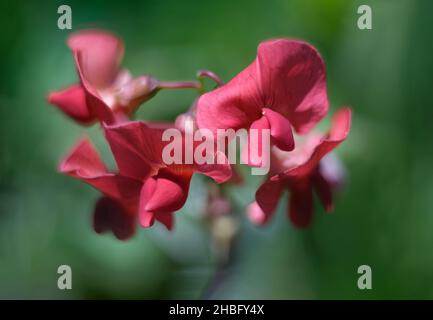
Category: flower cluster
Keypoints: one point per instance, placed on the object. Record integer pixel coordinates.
(283, 91)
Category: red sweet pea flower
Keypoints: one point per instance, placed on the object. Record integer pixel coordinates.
(105, 92)
(144, 185)
(301, 171)
(284, 86)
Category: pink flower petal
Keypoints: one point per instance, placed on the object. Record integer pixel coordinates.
(267, 197)
(340, 128)
(83, 159)
(159, 198)
(137, 148)
(256, 214)
(72, 101)
(287, 76)
(219, 172)
(281, 130)
(324, 190)
(293, 81)
(95, 104)
(234, 105)
(146, 218)
(169, 193)
(101, 54)
(254, 151)
(84, 163)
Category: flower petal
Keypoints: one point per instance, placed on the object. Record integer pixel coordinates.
(159, 197)
(301, 204)
(340, 128)
(267, 197)
(293, 81)
(146, 218)
(95, 104)
(166, 218)
(84, 163)
(281, 130)
(101, 54)
(72, 101)
(234, 105)
(111, 215)
(169, 193)
(256, 214)
(219, 172)
(137, 148)
(253, 153)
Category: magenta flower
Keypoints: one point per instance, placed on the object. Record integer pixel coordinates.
(144, 186)
(301, 171)
(284, 87)
(106, 92)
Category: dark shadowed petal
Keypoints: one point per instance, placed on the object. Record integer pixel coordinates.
(324, 190)
(72, 101)
(267, 197)
(301, 204)
(101, 54)
(166, 218)
(110, 215)
(293, 81)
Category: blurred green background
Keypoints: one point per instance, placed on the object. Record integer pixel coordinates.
(383, 218)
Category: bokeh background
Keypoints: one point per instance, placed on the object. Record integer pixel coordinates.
(383, 218)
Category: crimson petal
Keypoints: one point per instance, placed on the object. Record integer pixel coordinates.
(281, 131)
(169, 193)
(340, 128)
(324, 191)
(72, 101)
(101, 54)
(234, 105)
(301, 204)
(293, 81)
(84, 163)
(267, 197)
(111, 215)
(254, 151)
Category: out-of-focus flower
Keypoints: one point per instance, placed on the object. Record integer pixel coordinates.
(106, 92)
(217, 203)
(284, 87)
(302, 171)
(144, 185)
